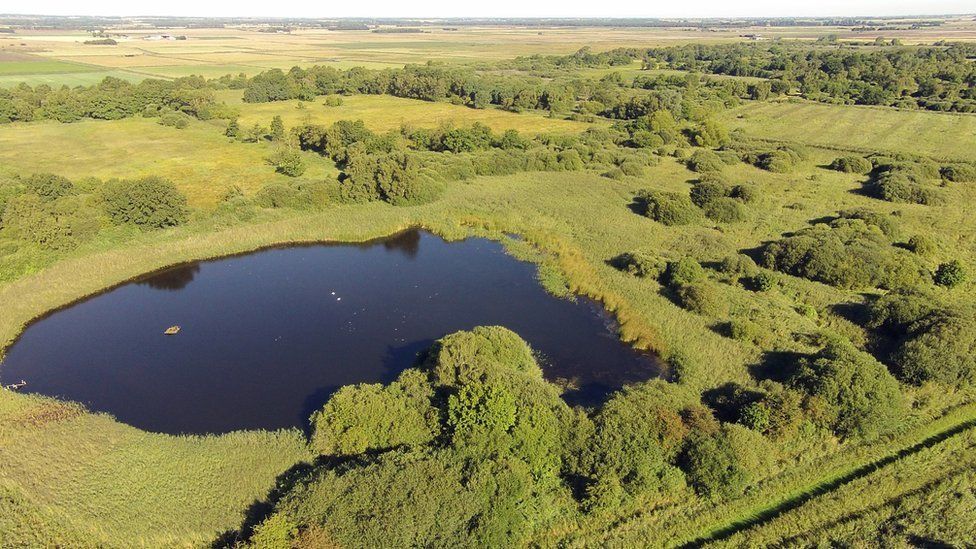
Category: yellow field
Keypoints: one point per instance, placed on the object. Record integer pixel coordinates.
(217, 51)
(383, 113)
(199, 159)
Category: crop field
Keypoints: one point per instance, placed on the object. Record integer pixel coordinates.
(215, 52)
(949, 135)
(199, 159)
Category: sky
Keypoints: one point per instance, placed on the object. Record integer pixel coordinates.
(496, 8)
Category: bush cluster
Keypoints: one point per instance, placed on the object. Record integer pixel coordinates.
(848, 253)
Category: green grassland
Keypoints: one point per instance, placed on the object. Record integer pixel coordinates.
(69, 79)
(39, 66)
(76, 479)
(563, 216)
(198, 158)
(73, 478)
(859, 128)
(384, 113)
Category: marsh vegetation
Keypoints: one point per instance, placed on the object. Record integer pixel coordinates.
(808, 289)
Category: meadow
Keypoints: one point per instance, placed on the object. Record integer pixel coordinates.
(859, 128)
(74, 478)
(199, 158)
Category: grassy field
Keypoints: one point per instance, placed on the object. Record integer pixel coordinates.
(384, 112)
(72, 478)
(861, 128)
(90, 481)
(563, 215)
(39, 66)
(199, 159)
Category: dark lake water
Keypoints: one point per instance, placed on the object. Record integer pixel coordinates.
(267, 337)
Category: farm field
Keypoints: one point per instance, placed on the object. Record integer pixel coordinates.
(947, 135)
(215, 52)
(793, 306)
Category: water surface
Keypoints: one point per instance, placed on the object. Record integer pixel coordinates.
(266, 337)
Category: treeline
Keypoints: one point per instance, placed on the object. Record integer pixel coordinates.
(408, 166)
(934, 78)
(44, 215)
(111, 99)
(685, 97)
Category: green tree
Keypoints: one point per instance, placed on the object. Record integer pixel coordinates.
(149, 203)
(860, 397)
(233, 129)
(288, 161)
(950, 274)
(277, 129)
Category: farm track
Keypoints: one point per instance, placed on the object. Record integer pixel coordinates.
(828, 485)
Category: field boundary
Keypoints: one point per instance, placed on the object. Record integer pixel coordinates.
(827, 485)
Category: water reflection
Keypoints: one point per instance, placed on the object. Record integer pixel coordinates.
(175, 278)
(265, 338)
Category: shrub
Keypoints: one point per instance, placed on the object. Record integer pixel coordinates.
(703, 192)
(704, 160)
(747, 331)
(638, 432)
(959, 173)
(950, 274)
(882, 221)
(332, 101)
(49, 186)
(668, 208)
(725, 210)
(631, 168)
(847, 253)
(710, 134)
(860, 397)
(895, 311)
(570, 160)
(512, 140)
(940, 346)
(779, 161)
(702, 298)
(298, 195)
(900, 188)
(683, 271)
(644, 139)
(763, 281)
(287, 161)
(640, 264)
(739, 265)
(921, 245)
(149, 203)
(365, 417)
(681, 367)
(176, 120)
(54, 225)
(728, 156)
(755, 416)
(852, 164)
(722, 465)
(744, 193)
(233, 129)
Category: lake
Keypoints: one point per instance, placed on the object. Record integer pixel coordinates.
(266, 337)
